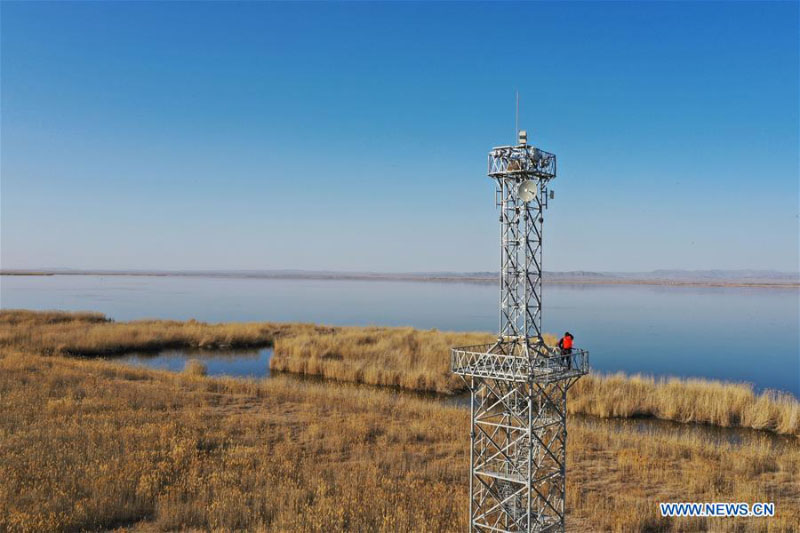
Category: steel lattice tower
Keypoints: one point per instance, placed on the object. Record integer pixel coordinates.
(519, 384)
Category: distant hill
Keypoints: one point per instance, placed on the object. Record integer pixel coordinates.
(733, 276)
(768, 278)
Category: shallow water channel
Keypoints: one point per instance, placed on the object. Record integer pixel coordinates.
(233, 363)
(255, 364)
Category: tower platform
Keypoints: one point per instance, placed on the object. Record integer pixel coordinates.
(507, 361)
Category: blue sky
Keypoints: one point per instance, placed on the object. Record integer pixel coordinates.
(353, 136)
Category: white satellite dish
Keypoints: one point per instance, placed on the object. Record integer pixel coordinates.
(527, 190)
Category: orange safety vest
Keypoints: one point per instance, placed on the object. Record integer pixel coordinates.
(566, 342)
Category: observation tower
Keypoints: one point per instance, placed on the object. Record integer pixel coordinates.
(519, 384)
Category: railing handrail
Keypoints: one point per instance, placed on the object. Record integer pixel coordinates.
(486, 347)
(478, 360)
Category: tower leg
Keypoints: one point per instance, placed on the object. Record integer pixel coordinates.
(472, 400)
(517, 456)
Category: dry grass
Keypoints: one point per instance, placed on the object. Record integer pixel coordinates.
(398, 357)
(685, 400)
(88, 444)
(195, 368)
(54, 332)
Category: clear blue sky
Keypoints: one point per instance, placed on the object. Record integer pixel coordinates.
(354, 136)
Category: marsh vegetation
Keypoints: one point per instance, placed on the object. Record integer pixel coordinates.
(398, 357)
(419, 360)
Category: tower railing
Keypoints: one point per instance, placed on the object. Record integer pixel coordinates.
(479, 361)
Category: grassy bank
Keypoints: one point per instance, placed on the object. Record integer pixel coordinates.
(397, 357)
(89, 444)
(685, 400)
(55, 332)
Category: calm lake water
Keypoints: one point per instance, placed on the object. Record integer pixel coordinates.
(735, 334)
(234, 363)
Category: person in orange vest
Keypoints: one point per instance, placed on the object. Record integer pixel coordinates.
(565, 344)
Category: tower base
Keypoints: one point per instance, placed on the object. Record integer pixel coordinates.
(518, 433)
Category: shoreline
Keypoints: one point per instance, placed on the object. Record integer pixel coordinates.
(430, 278)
